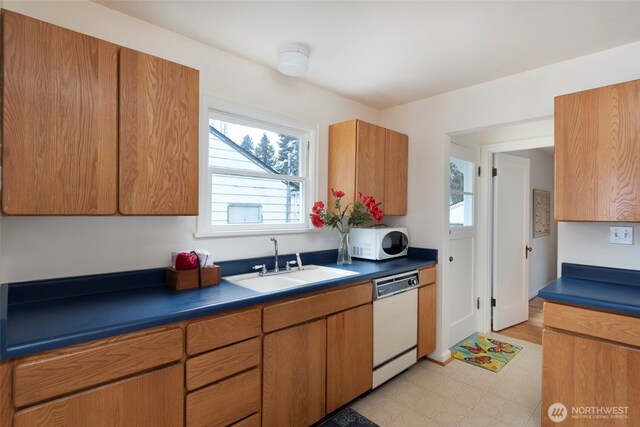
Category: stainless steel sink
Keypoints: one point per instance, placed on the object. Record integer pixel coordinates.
(293, 279)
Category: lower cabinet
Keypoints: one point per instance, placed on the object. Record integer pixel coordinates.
(349, 355)
(426, 320)
(148, 400)
(328, 360)
(294, 363)
(225, 402)
(586, 373)
(223, 376)
(590, 365)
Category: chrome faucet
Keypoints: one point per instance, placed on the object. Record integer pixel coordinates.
(262, 268)
(275, 246)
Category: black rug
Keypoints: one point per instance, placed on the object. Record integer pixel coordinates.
(348, 418)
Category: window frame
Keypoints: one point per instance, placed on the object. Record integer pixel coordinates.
(460, 154)
(268, 121)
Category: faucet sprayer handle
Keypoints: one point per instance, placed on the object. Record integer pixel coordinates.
(261, 267)
(290, 263)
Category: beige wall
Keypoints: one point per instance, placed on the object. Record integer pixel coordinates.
(517, 98)
(543, 259)
(34, 248)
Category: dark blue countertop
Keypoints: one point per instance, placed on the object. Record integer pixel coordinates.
(44, 315)
(609, 289)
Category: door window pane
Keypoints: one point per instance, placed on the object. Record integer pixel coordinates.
(460, 193)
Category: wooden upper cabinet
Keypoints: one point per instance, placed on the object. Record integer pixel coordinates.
(59, 114)
(395, 173)
(369, 159)
(158, 171)
(597, 154)
(342, 160)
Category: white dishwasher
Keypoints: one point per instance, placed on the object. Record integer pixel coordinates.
(395, 325)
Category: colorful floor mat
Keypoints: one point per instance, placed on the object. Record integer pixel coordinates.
(485, 352)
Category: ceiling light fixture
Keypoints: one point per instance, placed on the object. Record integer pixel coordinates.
(293, 60)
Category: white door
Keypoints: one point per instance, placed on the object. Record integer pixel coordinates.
(511, 223)
(461, 305)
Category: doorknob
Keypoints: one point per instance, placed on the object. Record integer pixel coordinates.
(450, 259)
(527, 249)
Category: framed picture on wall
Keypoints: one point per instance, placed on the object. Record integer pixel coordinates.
(541, 213)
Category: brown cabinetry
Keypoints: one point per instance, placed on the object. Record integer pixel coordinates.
(64, 146)
(369, 159)
(149, 400)
(59, 120)
(427, 311)
(224, 385)
(40, 377)
(581, 370)
(99, 383)
(316, 367)
(349, 355)
(597, 154)
(158, 170)
(293, 392)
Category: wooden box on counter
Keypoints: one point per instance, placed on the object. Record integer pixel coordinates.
(188, 279)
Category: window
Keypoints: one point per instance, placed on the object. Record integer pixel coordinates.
(461, 192)
(257, 175)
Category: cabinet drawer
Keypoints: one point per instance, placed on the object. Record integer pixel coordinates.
(609, 326)
(252, 421)
(50, 376)
(427, 276)
(153, 399)
(219, 364)
(220, 331)
(226, 402)
(300, 310)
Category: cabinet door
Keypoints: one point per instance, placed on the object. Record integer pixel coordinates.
(597, 154)
(59, 113)
(158, 173)
(149, 400)
(294, 363)
(370, 162)
(342, 161)
(426, 320)
(395, 173)
(584, 372)
(349, 355)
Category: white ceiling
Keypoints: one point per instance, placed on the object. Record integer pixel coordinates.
(385, 53)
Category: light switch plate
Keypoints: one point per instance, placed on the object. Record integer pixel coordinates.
(621, 235)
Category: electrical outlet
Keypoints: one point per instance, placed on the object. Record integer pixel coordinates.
(621, 235)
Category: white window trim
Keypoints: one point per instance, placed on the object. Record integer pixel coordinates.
(309, 179)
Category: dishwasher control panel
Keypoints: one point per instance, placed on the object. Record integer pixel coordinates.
(391, 285)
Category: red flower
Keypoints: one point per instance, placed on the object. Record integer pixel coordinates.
(359, 195)
(316, 220)
(337, 194)
(317, 207)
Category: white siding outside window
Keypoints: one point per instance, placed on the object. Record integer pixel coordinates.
(255, 187)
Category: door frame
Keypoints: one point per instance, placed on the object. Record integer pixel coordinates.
(484, 213)
(468, 154)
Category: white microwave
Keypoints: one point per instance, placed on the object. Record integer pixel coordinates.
(379, 243)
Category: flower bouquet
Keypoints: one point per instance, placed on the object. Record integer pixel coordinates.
(362, 211)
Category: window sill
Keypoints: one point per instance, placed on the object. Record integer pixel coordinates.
(245, 233)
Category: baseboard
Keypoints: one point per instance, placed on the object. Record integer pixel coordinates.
(438, 362)
(443, 358)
